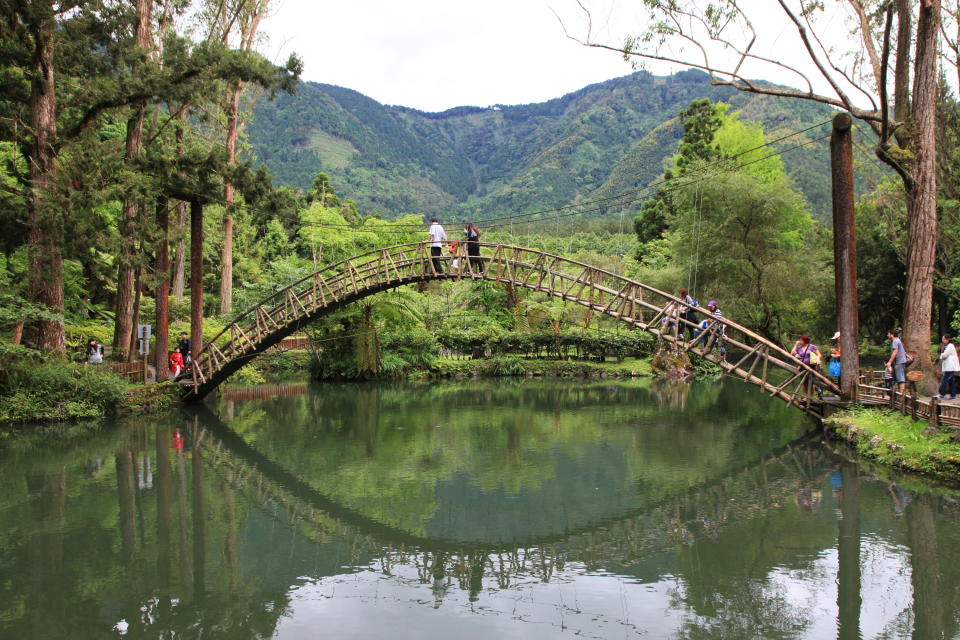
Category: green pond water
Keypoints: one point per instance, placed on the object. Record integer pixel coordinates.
(478, 509)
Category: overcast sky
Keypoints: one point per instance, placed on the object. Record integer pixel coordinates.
(438, 54)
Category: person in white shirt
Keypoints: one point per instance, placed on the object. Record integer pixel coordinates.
(437, 237)
(949, 365)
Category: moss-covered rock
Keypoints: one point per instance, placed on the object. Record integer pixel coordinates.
(145, 398)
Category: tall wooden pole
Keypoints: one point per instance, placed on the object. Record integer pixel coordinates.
(845, 253)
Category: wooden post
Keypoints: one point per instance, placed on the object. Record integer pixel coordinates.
(845, 252)
(934, 412)
(913, 401)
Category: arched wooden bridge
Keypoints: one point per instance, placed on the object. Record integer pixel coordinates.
(749, 355)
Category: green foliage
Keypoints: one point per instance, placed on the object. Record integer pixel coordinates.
(34, 389)
(897, 440)
(481, 162)
(245, 377)
(755, 247)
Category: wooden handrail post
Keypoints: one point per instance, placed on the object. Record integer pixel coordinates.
(935, 412)
(845, 252)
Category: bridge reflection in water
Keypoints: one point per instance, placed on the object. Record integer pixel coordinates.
(189, 528)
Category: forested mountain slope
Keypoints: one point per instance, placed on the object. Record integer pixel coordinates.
(485, 161)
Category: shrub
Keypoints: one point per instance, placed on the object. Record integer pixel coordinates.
(35, 389)
(245, 377)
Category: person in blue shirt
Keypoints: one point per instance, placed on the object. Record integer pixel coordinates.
(897, 359)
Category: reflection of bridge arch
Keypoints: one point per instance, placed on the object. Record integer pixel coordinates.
(302, 499)
(629, 301)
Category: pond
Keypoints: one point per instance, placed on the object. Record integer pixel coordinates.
(501, 508)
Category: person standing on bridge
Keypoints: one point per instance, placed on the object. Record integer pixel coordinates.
(437, 237)
(473, 246)
(184, 347)
(721, 329)
(897, 359)
(806, 352)
(687, 311)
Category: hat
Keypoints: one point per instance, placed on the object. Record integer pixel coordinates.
(712, 303)
(835, 336)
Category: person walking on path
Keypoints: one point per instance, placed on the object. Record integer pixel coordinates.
(94, 352)
(897, 360)
(437, 237)
(473, 246)
(176, 363)
(949, 365)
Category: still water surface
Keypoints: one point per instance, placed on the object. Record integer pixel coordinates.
(481, 509)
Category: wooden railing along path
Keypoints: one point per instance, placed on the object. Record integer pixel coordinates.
(751, 357)
(131, 371)
(872, 391)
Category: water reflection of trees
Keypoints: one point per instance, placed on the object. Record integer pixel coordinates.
(386, 451)
(211, 543)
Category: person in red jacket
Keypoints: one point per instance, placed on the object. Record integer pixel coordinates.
(176, 363)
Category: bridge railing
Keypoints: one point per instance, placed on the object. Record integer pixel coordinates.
(638, 305)
(872, 390)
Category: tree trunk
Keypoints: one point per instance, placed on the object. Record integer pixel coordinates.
(901, 75)
(123, 325)
(226, 255)
(849, 600)
(17, 333)
(180, 255)
(196, 277)
(44, 230)
(922, 206)
(135, 318)
(925, 573)
(163, 291)
(123, 329)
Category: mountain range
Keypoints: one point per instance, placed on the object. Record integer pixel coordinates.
(479, 162)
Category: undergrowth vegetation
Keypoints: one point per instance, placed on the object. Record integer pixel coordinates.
(34, 388)
(897, 440)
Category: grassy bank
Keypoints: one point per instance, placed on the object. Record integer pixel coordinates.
(898, 441)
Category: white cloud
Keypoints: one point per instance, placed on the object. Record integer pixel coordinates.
(437, 54)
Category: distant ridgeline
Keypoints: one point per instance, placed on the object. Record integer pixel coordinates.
(480, 162)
